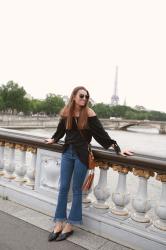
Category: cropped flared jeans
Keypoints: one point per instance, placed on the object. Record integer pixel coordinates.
(70, 165)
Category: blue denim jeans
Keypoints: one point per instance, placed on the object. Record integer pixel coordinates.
(70, 165)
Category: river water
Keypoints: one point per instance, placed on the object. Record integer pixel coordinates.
(140, 140)
(145, 141)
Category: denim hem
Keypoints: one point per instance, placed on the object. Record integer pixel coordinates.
(80, 222)
(59, 219)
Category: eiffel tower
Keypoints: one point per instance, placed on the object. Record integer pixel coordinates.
(115, 98)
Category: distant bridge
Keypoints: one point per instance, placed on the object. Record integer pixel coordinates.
(16, 122)
(125, 124)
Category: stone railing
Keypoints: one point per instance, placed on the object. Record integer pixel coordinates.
(29, 174)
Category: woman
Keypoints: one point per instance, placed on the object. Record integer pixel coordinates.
(79, 123)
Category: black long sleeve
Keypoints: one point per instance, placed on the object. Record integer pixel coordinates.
(100, 135)
(60, 131)
(80, 139)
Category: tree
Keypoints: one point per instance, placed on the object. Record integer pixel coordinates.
(1, 103)
(27, 106)
(12, 96)
(53, 104)
(119, 110)
(37, 105)
(102, 110)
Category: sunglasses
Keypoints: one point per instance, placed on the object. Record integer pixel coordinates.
(82, 96)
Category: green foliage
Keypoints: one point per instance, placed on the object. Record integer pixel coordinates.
(90, 104)
(13, 98)
(157, 116)
(53, 104)
(126, 112)
(119, 110)
(26, 107)
(1, 103)
(102, 110)
(37, 106)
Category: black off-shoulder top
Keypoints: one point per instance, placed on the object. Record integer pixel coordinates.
(81, 138)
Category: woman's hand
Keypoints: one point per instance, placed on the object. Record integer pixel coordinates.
(117, 149)
(126, 152)
(49, 141)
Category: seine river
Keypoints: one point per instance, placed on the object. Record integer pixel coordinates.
(145, 141)
(140, 140)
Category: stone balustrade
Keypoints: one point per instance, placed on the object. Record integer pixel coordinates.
(29, 174)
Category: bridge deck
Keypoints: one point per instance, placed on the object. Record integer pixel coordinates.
(24, 228)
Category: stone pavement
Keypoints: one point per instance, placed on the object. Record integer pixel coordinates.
(22, 228)
(16, 234)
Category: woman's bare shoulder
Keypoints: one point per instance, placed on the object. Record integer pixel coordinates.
(91, 112)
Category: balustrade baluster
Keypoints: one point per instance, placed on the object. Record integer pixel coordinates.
(2, 145)
(101, 191)
(30, 174)
(21, 166)
(160, 208)
(140, 203)
(120, 197)
(10, 161)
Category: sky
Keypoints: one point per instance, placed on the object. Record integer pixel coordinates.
(52, 46)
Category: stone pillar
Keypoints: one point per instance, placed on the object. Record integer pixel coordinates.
(21, 166)
(10, 161)
(140, 203)
(2, 144)
(101, 191)
(30, 174)
(120, 197)
(160, 208)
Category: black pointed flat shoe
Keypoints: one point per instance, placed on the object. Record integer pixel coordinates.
(53, 235)
(64, 236)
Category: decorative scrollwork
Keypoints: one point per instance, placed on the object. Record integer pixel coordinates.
(23, 147)
(121, 169)
(2, 143)
(143, 172)
(27, 148)
(102, 164)
(161, 177)
(10, 144)
(17, 146)
(33, 150)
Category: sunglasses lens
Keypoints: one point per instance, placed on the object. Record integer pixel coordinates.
(82, 96)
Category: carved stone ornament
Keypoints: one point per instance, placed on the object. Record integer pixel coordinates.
(17, 146)
(102, 164)
(143, 172)
(21, 147)
(10, 144)
(2, 143)
(121, 169)
(161, 177)
(32, 150)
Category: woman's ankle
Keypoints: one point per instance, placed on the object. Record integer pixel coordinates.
(68, 227)
(58, 226)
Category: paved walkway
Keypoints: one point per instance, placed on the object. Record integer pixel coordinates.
(22, 228)
(16, 234)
